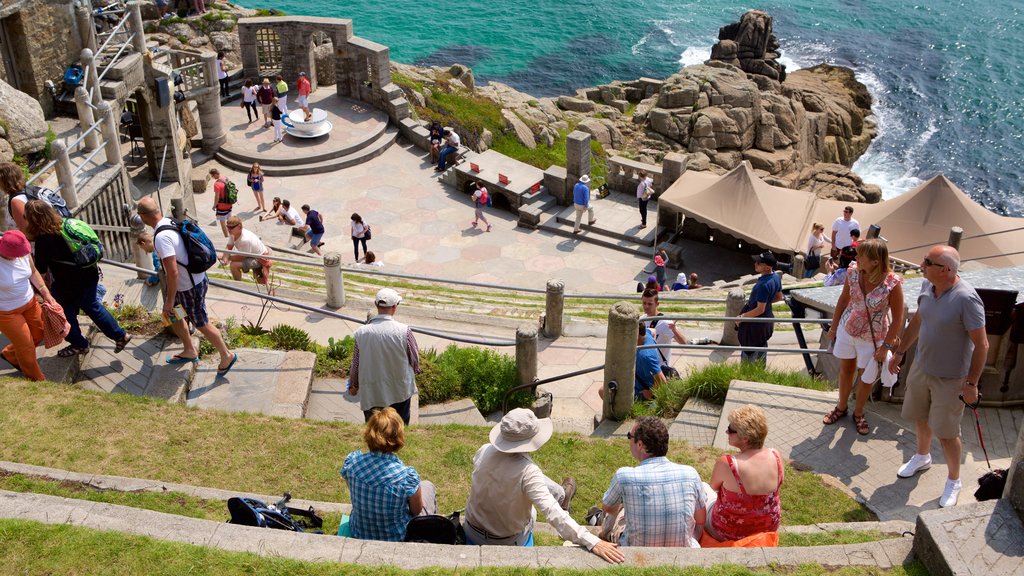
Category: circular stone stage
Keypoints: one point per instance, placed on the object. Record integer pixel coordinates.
(357, 133)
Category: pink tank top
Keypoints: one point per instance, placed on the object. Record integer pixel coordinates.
(738, 514)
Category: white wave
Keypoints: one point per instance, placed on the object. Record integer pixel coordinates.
(694, 55)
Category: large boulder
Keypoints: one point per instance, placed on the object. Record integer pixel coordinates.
(836, 182)
(575, 104)
(602, 130)
(519, 128)
(23, 119)
(751, 46)
(836, 93)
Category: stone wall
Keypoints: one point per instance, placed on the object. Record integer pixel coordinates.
(44, 40)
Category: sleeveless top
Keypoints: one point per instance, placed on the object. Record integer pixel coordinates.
(856, 315)
(738, 514)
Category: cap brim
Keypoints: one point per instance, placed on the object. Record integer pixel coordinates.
(545, 429)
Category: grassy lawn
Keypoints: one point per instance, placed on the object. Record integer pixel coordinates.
(34, 548)
(64, 427)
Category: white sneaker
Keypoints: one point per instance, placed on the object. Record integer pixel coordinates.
(950, 494)
(916, 464)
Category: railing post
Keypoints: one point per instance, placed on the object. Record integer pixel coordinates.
(65, 174)
(620, 360)
(86, 118)
(86, 30)
(955, 234)
(136, 25)
(734, 302)
(112, 148)
(554, 303)
(798, 266)
(208, 103)
(526, 354)
(334, 281)
(92, 79)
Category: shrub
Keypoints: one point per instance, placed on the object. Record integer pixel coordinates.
(483, 375)
(711, 383)
(285, 337)
(48, 147)
(335, 359)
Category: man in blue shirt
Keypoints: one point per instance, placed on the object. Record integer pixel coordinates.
(766, 291)
(581, 201)
(648, 367)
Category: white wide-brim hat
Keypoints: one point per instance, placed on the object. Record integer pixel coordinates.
(521, 431)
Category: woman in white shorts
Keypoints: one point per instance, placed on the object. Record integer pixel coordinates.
(861, 330)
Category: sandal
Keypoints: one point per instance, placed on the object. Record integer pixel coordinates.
(69, 351)
(862, 425)
(834, 416)
(120, 344)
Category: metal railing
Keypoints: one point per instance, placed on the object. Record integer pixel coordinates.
(77, 167)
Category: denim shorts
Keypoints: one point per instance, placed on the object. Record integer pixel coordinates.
(314, 239)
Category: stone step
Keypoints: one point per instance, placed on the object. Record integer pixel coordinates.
(299, 168)
(980, 538)
(377, 131)
(556, 225)
(140, 369)
(271, 382)
(647, 239)
(55, 368)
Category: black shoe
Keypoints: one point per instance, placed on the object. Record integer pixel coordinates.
(569, 485)
(321, 244)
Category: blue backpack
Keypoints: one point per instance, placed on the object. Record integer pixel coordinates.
(202, 254)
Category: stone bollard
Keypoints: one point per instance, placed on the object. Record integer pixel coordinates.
(620, 360)
(136, 25)
(86, 119)
(955, 234)
(335, 282)
(554, 303)
(526, 354)
(1014, 490)
(86, 30)
(112, 148)
(65, 174)
(799, 266)
(734, 302)
(92, 77)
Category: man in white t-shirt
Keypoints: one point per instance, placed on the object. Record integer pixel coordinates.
(183, 289)
(242, 240)
(286, 214)
(665, 331)
(841, 230)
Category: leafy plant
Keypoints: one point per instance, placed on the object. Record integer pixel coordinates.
(483, 375)
(335, 359)
(48, 147)
(711, 383)
(285, 337)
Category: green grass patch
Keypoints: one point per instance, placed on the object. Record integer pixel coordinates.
(64, 427)
(711, 383)
(36, 548)
(830, 538)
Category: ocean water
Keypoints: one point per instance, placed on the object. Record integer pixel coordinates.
(946, 75)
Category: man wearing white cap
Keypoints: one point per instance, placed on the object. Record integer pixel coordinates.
(581, 201)
(385, 360)
(507, 485)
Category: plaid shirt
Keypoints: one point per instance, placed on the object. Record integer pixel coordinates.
(380, 486)
(660, 498)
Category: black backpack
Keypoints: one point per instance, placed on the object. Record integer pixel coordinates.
(436, 529)
(253, 512)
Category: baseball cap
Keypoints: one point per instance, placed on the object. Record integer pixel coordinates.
(386, 298)
(766, 257)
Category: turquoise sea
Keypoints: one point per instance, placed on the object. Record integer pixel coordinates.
(947, 75)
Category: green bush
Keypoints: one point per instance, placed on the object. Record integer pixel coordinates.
(711, 383)
(335, 359)
(483, 375)
(285, 337)
(48, 147)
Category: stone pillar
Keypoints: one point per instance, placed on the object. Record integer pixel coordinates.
(112, 148)
(955, 234)
(577, 159)
(65, 174)
(214, 134)
(526, 354)
(554, 302)
(1014, 490)
(92, 77)
(334, 280)
(86, 30)
(798, 266)
(734, 302)
(620, 360)
(165, 133)
(672, 167)
(86, 119)
(135, 25)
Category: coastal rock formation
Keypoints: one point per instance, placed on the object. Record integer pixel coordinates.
(750, 46)
(23, 121)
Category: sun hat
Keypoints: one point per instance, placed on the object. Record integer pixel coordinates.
(585, 179)
(765, 257)
(521, 431)
(13, 244)
(386, 298)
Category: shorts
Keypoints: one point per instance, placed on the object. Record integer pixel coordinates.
(194, 303)
(302, 101)
(222, 216)
(314, 238)
(935, 399)
(848, 348)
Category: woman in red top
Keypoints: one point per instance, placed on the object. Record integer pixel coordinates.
(747, 484)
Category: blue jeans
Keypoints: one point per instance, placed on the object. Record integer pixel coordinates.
(444, 155)
(85, 300)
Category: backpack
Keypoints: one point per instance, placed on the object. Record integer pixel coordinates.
(230, 192)
(485, 198)
(436, 529)
(85, 246)
(202, 255)
(51, 197)
(280, 516)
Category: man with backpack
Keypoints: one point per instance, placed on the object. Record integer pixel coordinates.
(225, 194)
(182, 246)
(481, 199)
(665, 331)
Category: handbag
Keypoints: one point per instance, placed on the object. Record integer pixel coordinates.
(812, 262)
(367, 233)
(55, 325)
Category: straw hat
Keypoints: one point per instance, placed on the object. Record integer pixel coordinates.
(521, 431)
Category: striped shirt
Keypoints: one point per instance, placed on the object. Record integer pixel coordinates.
(660, 498)
(380, 486)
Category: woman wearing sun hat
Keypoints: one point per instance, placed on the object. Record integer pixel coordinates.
(20, 314)
(507, 484)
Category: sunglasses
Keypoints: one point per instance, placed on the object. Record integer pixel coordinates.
(928, 263)
(232, 227)
(629, 435)
(730, 430)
